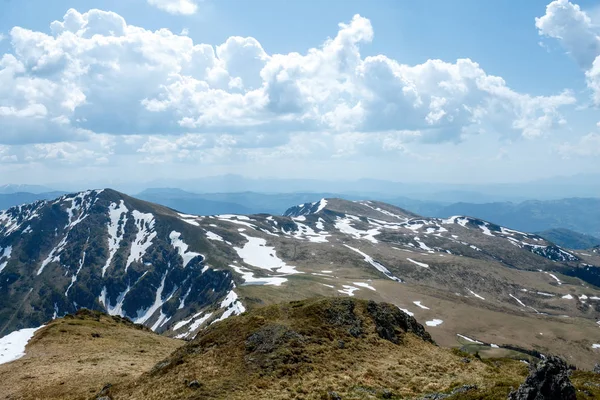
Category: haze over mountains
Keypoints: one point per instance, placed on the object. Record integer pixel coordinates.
(573, 216)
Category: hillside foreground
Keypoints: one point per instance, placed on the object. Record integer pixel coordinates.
(324, 348)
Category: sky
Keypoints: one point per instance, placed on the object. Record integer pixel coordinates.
(432, 91)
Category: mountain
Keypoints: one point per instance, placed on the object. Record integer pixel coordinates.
(193, 203)
(546, 189)
(570, 239)
(8, 200)
(35, 189)
(231, 203)
(178, 273)
(577, 214)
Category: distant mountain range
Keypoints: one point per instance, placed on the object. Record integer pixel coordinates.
(580, 215)
(179, 274)
(8, 200)
(570, 239)
(14, 188)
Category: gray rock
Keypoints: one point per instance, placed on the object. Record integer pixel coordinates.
(597, 368)
(334, 396)
(194, 385)
(548, 380)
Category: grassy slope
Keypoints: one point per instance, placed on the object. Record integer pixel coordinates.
(295, 351)
(67, 360)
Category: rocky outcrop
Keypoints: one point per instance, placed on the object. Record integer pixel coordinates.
(391, 323)
(548, 380)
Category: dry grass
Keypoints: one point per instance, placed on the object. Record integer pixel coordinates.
(68, 360)
(306, 360)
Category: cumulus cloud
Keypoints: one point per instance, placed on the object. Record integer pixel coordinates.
(587, 146)
(181, 7)
(578, 34)
(96, 74)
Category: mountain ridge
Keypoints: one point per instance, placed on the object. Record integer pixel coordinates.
(179, 273)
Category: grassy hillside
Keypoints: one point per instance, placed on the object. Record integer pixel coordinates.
(319, 349)
(76, 356)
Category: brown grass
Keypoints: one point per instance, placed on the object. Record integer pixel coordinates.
(311, 362)
(67, 359)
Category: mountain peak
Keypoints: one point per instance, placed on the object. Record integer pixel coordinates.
(366, 208)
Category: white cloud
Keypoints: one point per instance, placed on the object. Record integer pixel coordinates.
(587, 146)
(578, 34)
(95, 74)
(181, 7)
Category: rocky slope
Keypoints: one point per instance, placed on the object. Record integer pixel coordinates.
(318, 349)
(470, 281)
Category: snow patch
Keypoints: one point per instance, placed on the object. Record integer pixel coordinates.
(257, 254)
(475, 294)
(468, 339)
(115, 235)
(182, 248)
(349, 290)
(5, 255)
(248, 277)
(376, 264)
(143, 238)
(12, 346)
(434, 322)
(365, 285)
(418, 304)
(420, 264)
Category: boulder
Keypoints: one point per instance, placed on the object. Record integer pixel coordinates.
(548, 380)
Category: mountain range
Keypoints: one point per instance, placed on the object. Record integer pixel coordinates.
(178, 273)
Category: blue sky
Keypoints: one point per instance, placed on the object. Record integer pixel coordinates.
(434, 91)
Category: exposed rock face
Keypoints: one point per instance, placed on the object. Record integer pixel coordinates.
(391, 322)
(548, 380)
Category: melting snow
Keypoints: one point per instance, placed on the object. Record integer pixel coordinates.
(144, 315)
(434, 322)
(196, 324)
(475, 294)
(595, 346)
(418, 304)
(468, 339)
(555, 278)
(322, 205)
(407, 312)
(568, 297)
(522, 304)
(115, 235)
(233, 306)
(423, 245)
(12, 346)
(376, 264)
(256, 253)
(344, 225)
(485, 229)
(249, 278)
(420, 264)
(182, 247)
(54, 255)
(349, 290)
(143, 238)
(365, 285)
(74, 277)
(190, 219)
(213, 236)
(6, 256)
